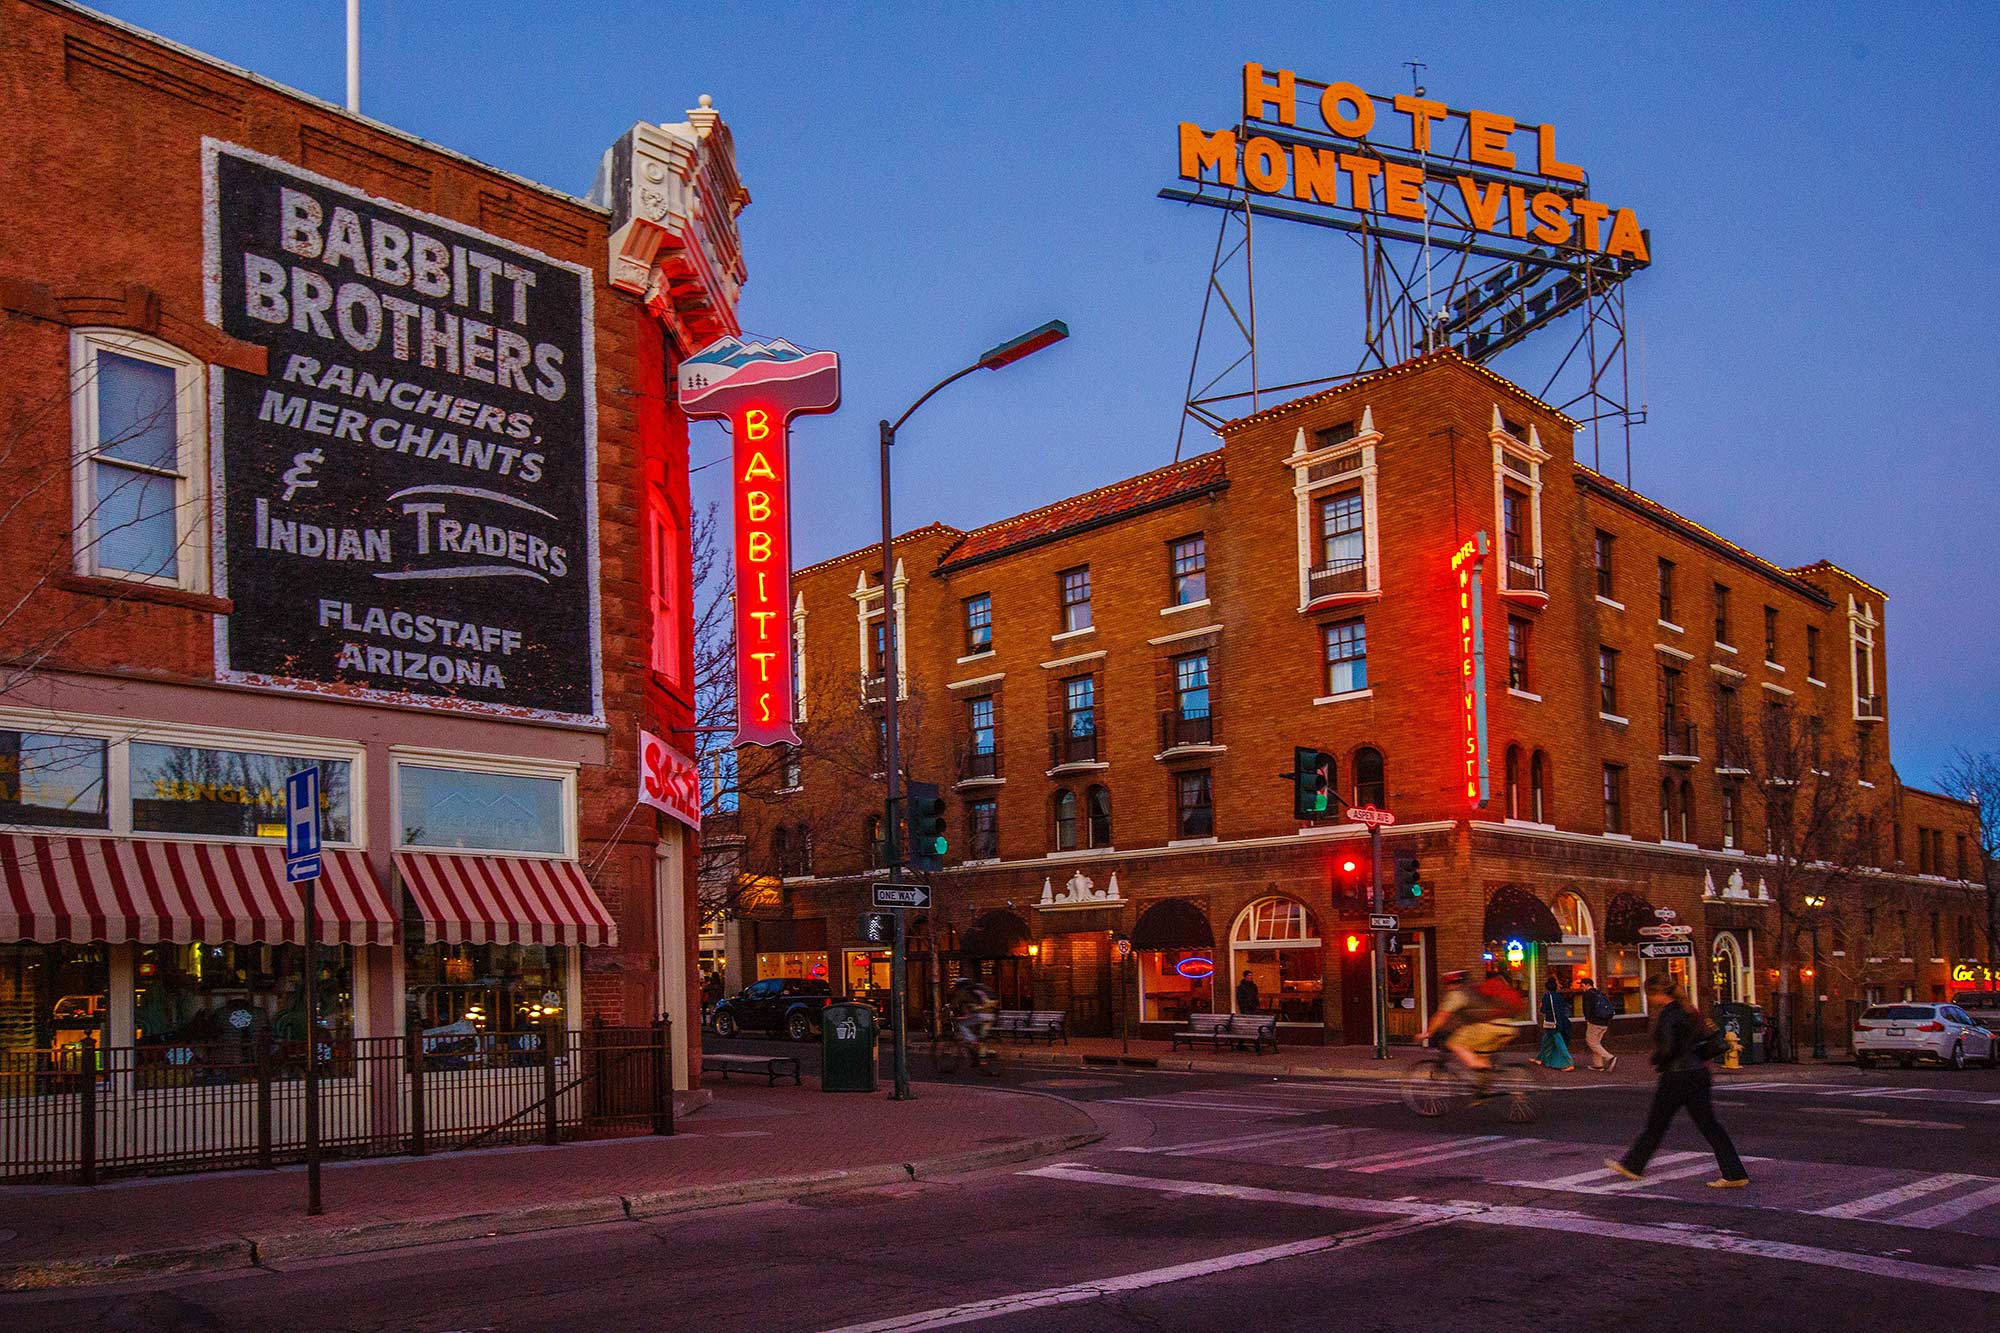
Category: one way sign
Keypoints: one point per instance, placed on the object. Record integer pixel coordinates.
(902, 895)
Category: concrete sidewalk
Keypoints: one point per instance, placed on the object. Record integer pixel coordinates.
(750, 1143)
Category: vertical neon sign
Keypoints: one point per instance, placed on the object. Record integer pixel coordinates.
(760, 387)
(1469, 563)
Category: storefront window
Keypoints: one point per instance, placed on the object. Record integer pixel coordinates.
(806, 966)
(867, 975)
(52, 995)
(1519, 961)
(214, 996)
(228, 793)
(1277, 942)
(1624, 980)
(52, 781)
(491, 812)
(1572, 961)
(1174, 983)
(465, 995)
(1680, 971)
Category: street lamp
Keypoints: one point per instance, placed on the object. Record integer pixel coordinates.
(1006, 354)
(1815, 903)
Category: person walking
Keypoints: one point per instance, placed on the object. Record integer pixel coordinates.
(1598, 1011)
(1555, 1029)
(1683, 1043)
(1246, 994)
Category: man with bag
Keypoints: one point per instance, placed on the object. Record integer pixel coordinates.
(1683, 1044)
(1598, 1011)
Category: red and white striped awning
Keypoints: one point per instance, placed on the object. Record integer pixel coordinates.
(504, 900)
(140, 891)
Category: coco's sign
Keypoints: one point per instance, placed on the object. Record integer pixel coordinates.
(759, 387)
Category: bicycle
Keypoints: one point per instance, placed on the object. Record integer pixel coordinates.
(950, 1052)
(1436, 1084)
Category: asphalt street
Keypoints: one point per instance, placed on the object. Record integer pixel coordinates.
(1233, 1201)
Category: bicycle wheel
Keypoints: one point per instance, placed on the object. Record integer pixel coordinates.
(1517, 1093)
(1432, 1087)
(947, 1055)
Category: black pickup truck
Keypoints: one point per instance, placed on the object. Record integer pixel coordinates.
(787, 1005)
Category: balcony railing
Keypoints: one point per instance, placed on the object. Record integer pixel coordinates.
(975, 763)
(1072, 747)
(1336, 579)
(1868, 707)
(1678, 739)
(1523, 576)
(1179, 727)
(872, 687)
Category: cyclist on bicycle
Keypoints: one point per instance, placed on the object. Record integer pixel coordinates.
(972, 1010)
(1470, 1020)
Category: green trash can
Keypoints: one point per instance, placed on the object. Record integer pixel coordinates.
(1747, 1022)
(847, 1037)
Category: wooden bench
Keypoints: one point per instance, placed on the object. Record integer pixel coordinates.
(1030, 1024)
(1237, 1030)
(773, 1067)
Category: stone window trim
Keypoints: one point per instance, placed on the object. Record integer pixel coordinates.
(1303, 460)
(868, 608)
(1519, 460)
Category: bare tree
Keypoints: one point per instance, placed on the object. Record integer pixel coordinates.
(1975, 776)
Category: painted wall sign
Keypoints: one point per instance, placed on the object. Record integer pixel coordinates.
(760, 387)
(668, 780)
(1495, 182)
(1467, 565)
(409, 493)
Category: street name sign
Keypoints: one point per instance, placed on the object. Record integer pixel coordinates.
(1675, 949)
(302, 846)
(1382, 923)
(1666, 931)
(902, 895)
(1369, 815)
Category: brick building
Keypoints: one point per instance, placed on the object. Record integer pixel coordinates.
(1110, 686)
(326, 444)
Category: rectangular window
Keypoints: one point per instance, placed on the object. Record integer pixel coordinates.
(878, 649)
(982, 826)
(1812, 651)
(53, 781)
(1722, 614)
(1964, 865)
(1672, 737)
(1667, 592)
(1771, 634)
(1729, 814)
(495, 989)
(1080, 706)
(1075, 598)
(489, 812)
(1518, 630)
(1614, 798)
(1607, 680)
(1194, 806)
(979, 722)
(1191, 685)
(1328, 436)
(791, 769)
(1190, 569)
(1514, 527)
(1346, 657)
(1343, 535)
(138, 440)
(1603, 556)
(665, 595)
(979, 624)
(228, 793)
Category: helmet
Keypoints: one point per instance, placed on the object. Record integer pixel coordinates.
(1453, 978)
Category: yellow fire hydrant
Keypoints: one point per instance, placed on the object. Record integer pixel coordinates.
(1732, 1051)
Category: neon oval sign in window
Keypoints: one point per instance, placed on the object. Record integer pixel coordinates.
(1195, 969)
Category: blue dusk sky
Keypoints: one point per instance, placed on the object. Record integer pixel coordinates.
(930, 179)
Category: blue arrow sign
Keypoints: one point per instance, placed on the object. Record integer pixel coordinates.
(302, 846)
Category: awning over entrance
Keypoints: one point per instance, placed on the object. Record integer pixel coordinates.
(1513, 913)
(504, 900)
(1173, 923)
(998, 934)
(1624, 915)
(141, 891)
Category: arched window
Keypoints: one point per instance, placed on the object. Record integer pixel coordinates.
(1732, 978)
(1538, 788)
(1097, 802)
(1276, 942)
(1513, 782)
(871, 842)
(1065, 804)
(1687, 810)
(1369, 786)
(1572, 960)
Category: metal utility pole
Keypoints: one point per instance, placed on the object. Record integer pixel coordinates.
(354, 56)
(1381, 938)
(313, 1207)
(892, 754)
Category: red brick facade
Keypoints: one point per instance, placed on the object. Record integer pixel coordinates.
(1427, 450)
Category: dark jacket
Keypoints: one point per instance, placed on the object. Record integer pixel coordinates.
(1555, 1009)
(1246, 996)
(1677, 1041)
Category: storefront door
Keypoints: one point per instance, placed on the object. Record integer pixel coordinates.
(1408, 988)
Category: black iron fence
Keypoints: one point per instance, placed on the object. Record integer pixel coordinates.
(1069, 746)
(82, 1111)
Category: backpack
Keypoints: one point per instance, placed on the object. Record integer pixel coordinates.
(1600, 1009)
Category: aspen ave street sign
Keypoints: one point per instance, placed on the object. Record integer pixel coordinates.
(1666, 930)
(902, 895)
(1680, 949)
(1369, 815)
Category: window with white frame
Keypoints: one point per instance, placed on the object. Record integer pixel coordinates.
(1517, 504)
(1861, 626)
(1334, 485)
(1188, 558)
(138, 408)
(1075, 590)
(1346, 657)
(486, 810)
(218, 793)
(51, 780)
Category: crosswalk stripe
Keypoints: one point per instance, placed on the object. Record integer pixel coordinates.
(1179, 1105)
(1875, 1203)
(1950, 1210)
(1603, 1172)
(1426, 1158)
(1361, 1159)
(1234, 1141)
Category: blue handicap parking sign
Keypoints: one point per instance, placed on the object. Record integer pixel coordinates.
(302, 824)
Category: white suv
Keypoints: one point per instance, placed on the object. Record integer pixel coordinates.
(1909, 1032)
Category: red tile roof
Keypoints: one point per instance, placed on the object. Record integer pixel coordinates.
(1148, 490)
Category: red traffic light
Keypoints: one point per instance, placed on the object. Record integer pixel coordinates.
(1349, 866)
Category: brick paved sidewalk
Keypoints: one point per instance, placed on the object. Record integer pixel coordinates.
(749, 1143)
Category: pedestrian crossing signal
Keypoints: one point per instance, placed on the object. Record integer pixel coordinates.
(1312, 783)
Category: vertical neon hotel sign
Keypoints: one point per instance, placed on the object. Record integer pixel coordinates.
(760, 387)
(1468, 563)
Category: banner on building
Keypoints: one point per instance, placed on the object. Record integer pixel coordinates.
(759, 387)
(669, 781)
(406, 499)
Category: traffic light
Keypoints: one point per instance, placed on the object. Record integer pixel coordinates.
(926, 815)
(1353, 881)
(1312, 782)
(1409, 880)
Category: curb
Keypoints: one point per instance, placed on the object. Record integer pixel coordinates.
(254, 1252)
